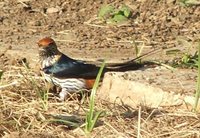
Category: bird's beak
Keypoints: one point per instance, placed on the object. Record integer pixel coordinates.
(41, 49)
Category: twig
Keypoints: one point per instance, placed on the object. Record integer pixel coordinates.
(8, 85)
(164, 65)
(115, 130)
(23, 3)
(70, 41)
(139, 122)
(64, 32)
(94, 25)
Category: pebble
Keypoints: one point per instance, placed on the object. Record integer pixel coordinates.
(35, 23)
(52, 10)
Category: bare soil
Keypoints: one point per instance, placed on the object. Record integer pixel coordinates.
(80, 34)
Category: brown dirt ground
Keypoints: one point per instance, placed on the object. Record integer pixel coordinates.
(80, 34)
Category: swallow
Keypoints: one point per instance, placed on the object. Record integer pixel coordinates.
(69, 74)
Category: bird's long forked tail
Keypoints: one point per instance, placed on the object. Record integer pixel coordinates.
(132, 64)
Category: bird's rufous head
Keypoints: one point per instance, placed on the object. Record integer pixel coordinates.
(46, 42)
(47, 47)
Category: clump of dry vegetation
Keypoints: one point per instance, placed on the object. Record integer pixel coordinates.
(26, 111)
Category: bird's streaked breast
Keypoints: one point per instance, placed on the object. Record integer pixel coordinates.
(70, 84)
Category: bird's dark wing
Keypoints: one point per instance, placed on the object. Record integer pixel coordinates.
(70, 68)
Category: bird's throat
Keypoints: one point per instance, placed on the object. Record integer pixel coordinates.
(49, 59)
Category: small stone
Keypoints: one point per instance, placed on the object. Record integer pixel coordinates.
(52, 10)
(35, 23)
(1, 19)
(137, 92)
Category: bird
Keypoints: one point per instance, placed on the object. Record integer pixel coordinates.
(69, 74)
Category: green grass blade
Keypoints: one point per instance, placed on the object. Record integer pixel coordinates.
(94, 89)
(198, 82)
(90, 122)
(97, 115)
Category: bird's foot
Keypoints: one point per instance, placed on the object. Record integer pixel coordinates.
(63, 95)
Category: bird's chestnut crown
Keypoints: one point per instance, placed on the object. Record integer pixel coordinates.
(45, 42)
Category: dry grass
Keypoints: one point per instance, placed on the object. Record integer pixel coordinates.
(23, 113)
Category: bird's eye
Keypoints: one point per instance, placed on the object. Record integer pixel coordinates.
(39, 45)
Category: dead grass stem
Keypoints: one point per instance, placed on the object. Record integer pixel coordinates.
(22, 114)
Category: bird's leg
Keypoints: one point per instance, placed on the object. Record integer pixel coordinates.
(63, 94)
